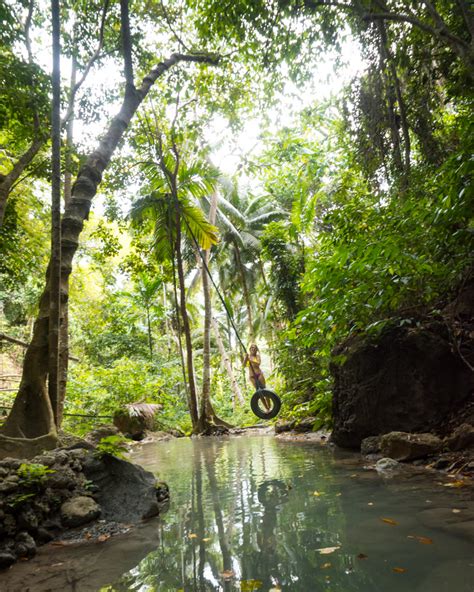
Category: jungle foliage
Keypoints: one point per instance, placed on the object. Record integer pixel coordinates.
(352, 210)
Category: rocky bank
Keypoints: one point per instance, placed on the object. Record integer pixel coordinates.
(45, 497)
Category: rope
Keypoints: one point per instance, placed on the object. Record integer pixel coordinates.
(224, 304)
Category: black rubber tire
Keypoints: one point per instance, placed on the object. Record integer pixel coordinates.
(276, 404)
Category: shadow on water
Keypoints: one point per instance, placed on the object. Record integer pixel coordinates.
(251, 513)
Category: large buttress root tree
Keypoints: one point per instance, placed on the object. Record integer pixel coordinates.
(30, 427)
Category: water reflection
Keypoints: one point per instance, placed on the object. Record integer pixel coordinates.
(253, 514)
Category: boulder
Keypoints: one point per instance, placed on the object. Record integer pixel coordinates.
(79, 510)
(386, 465)
(133, 426)
(461, 438)
(284, 426)
(126, 492)
(102, 431)
(407, 378)
(404, 446)
(370, 445)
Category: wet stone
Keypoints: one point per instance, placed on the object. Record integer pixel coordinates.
(79, 510)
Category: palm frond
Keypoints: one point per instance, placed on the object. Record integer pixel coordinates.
(206, 234)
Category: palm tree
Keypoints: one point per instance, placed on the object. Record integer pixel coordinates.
(171, 212)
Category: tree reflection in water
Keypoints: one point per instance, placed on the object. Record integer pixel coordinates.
(227, 530)
(255, 514)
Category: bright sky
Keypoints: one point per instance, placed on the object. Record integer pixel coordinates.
(326, 83)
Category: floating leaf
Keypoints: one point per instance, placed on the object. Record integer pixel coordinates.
(389, 521)
(455, 511)
(250, 585)
(326, 565)
(421, 539)
(370, 504)
(316, 493)
(327, 550)
(206, 540)
(399, 569)
(456, 484)
(192, 536)
(338, 494)
(362, 556)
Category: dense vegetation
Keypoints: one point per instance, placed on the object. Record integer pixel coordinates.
(351, 209)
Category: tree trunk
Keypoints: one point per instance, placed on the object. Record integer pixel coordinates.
(55, 265)
(8, 181)
(31, 416)
(248, 304)
(64, 326)
(207, 415)
(227, 365)
(394, 91)
(193, 403)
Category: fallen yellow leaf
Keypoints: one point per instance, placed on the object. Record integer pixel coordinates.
(326, 565)
(456, 484)
(327, 550)
(399, 569)
(250, 585)
(206, 540)
(421, 539)
(370, 504)
(456, 511)
(103, 537)
(316, 493)
(389, 521)
(192, 536)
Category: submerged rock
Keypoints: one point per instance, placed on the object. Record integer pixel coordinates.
(386, 465)
(403, 446)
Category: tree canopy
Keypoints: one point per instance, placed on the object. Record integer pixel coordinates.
(204, 131)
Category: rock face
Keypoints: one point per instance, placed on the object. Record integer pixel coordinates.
(409, 378)
(124, 491)
(461, 438)
(403, 446)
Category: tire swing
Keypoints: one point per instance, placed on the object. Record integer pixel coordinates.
(265, 403)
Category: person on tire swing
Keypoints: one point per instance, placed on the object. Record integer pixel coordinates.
(255, 372)
(256, 376)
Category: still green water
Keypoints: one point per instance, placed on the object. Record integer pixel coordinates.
(253, 513)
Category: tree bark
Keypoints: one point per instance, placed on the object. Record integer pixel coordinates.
(248, 304)
(207, 416)
(193, 403)
(31, 414)
(7, 182)
(55, 264)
